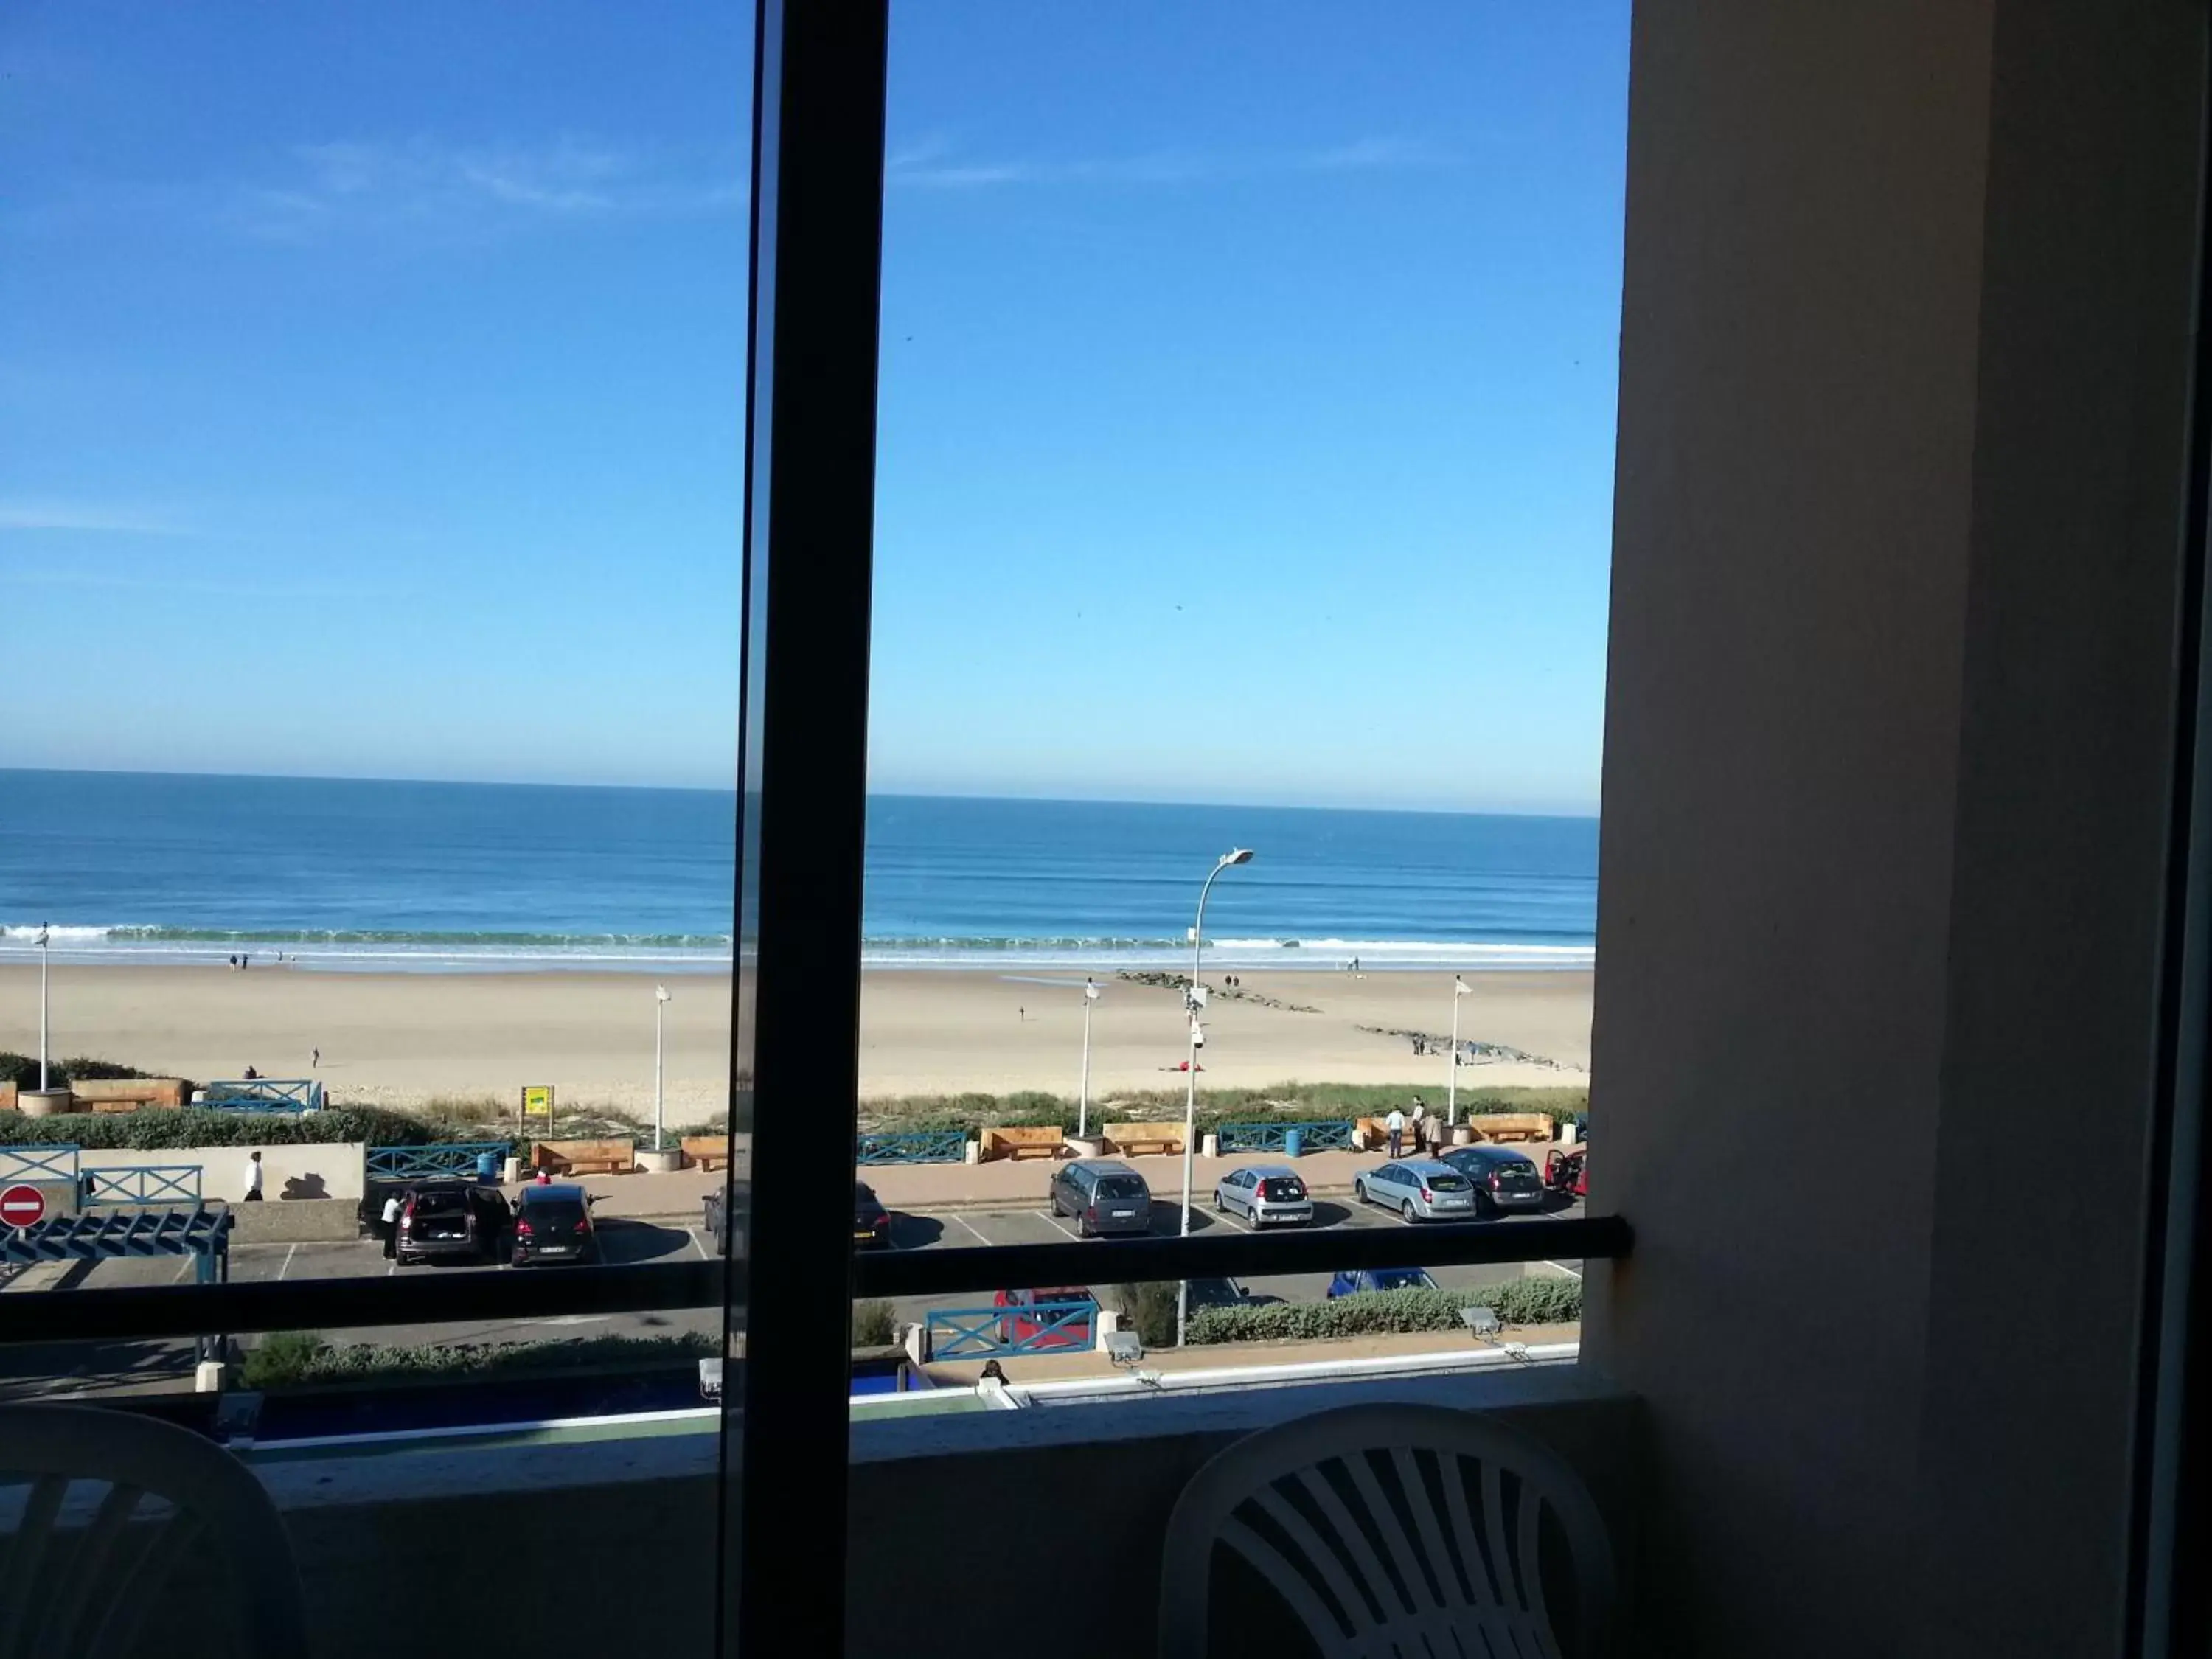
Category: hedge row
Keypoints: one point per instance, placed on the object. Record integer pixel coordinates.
(159, 1128)
(303, 1358)
(1515, 1301)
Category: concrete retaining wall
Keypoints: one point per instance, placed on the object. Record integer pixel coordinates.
(287, 1172)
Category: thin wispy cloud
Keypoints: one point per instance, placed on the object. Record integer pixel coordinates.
(425, 184)
(160, 582)
(935, 164)
(87, 517)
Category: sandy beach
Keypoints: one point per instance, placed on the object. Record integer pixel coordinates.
(405, 1039)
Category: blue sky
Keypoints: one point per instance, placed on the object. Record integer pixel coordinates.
(370, 394)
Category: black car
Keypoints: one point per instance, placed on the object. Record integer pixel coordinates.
(872, 1223)
(553, 1223)
(1505, 1181)
(450, 1221)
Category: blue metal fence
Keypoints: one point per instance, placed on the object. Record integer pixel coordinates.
(1332, 1137)
(290, 1096)
(139, 1183)
(454, 1158)
(37, 1163)
(939, 1146)
(1030, 1328)
(201, 1232)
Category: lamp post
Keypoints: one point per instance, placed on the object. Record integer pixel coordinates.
(1083, 1097)
(660, 1009)
(1460, 989)
(1193, 1000)
(46, 932)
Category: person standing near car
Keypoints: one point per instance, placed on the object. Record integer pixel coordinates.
(391, 1226)
(1395, 1123)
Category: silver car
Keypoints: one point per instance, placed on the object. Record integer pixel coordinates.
(1418, 1189)
(1265, 1194)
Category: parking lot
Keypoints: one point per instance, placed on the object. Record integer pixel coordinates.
(632, 1240)
(921, 1230)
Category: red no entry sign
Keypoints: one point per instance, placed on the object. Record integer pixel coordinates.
(21, 1207)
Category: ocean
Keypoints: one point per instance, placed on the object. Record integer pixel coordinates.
(357, 874)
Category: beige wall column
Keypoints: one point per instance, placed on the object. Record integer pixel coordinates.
(1904, 363)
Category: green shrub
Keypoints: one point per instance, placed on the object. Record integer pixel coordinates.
(281, 1357)
(303, 1358)
(159, 1128)
(22, 1070)
(1515, 1301)
(1149, 1310)
(874, 1324)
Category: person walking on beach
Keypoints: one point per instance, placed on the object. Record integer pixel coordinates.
(315, 1060)
(391, 1226)
(253, 1178)
(1395, 1123)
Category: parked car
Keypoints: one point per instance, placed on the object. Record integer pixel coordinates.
(1505, 1181)
(1419, 1189)
(553, 1223)
(450, 1221)
(1103, 1196)
(1566, 1171)
(1381, 1278)
(872, 1223)
(1264, 1193)
(1043, 1331)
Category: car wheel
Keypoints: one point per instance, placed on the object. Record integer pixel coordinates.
(1407, 1211)
(1082, 1228)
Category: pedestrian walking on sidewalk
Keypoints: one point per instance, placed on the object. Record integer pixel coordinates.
(253, 1178)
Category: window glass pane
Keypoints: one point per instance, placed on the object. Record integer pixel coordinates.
(371, 393)
(1243, 487)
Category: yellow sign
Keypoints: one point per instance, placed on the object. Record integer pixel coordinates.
(537, 1101)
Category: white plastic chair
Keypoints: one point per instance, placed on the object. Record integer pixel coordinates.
(88, 1590)
(1394, 1531)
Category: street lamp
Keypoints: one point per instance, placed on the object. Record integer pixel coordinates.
(46, 932)
(659, 1008)
(1460, 989)
(1083, 1099)
(1195, 999)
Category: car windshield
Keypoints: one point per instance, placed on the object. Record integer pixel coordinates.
(1284, 1187)
(1121, 1186)
(1447, 1183)
(1515, 1169)
(864, 1196)
(562, 1214)
(1399, 1279)
(438, 1203)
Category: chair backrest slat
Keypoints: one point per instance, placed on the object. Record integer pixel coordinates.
(1339, 1517)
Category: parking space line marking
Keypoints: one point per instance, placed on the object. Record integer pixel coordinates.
(287, 1268)
(1055, 1220)
(183, 1267)
(1229, 1217)
(970, 1226)
(696, 1245)
(1571, 1272)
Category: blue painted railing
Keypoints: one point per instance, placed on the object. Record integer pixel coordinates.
(37, 1163)
(140, 1183)
(1334, 1137)
(1030, 1328)
(937, 1147)
(200, 1232)
(432, 1163)
(264, 1094)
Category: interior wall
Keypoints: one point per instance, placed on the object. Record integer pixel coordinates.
(1905, 300)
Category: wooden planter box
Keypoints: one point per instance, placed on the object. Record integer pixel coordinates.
(1043, 1142)
(1138, 1139)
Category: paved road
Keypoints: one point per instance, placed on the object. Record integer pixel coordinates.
(624, 1241)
